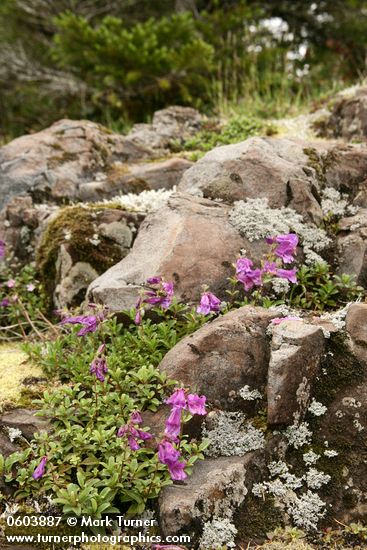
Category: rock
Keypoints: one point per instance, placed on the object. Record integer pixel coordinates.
(348, 116)
(6, 447)
(80, 160)
(223, 356)
(25, 421)
(351, 243)
(356, 326)
(296, 352)
(168, 125)
(78, 243)
(189, 241)
(214, 486)
(257, 167)
(125, 178)
(287, 172)
(52, 163)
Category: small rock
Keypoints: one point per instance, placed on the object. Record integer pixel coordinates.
(25, 421)
(214, 486)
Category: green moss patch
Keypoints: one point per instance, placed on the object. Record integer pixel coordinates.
(79, 224)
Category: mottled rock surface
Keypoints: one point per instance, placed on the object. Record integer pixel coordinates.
(189, 241)
(296, 352)
(223, 356)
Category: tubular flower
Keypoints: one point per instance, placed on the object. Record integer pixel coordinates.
(208, 303)
(160, 294)
(90, 322)
(289, 274)
(177, 399)
(40, 470)
(246, 275)
(196, 404)
(286, 246)
(173, 423)
(168, 455)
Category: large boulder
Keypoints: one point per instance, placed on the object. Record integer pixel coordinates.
(224, 356)
(287, 172)
(189, 241)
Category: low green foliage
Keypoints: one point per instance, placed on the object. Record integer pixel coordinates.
(89, 469)
(318, 288)
(235, 130)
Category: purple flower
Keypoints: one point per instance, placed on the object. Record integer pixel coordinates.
(289, 274)
(5, 302)
(133, 444)
(286, 246)
(173, 423)
(134, 434)
(99, 368)
(196, 404)
(90, 322)
(243, 265)
(176, 471)
(2, 248)
(159, 296)
(154, 280)
(246, 275)
(40, 470)
(270, 267)
(278, 320)
(30, 287)
(167, 454)
(136, 418)
(177, 399)
(11, 283)
(208, 303)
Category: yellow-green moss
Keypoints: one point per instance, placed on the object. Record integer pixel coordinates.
(15, 368)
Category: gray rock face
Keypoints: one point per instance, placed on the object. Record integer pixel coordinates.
(223, 356)
(296, 352)
(356, 326)
(214, 486)
(189, 242)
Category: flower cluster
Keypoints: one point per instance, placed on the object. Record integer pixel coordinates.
(209, 303)
(158, 293)
(98, 366)
(283, 250)
(167, 452)
(134, 433)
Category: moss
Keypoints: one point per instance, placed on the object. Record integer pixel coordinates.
(256, 518)
(340, 367)
(15, 368)
(80, 223)
(120, 177)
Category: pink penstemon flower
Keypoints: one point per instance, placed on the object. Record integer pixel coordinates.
(208, 303)
(40, 470)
